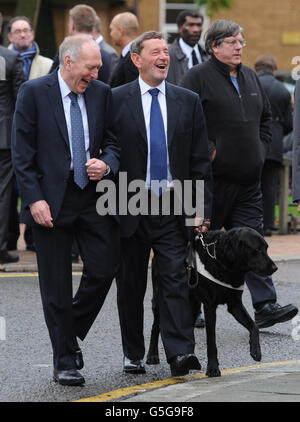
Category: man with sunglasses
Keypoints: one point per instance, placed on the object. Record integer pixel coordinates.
(238, 117)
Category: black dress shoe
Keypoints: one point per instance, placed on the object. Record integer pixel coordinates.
(133, 366)
(68, 377)
(79, 359)
(272, 313)
(7, 258)
(181, 364)
(75, 258)
(30, 247)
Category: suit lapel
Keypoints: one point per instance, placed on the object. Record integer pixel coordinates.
(90, 114)
(135, 105)
(57, 106)
(173, 111)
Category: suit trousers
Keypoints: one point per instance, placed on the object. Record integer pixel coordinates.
(241, 206)
(269, 185)
(6, 184)
(98, 242)
(164, 235)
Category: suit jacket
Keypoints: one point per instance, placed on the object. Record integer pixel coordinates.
(282, 114)
(104, 71)
(40, 144)
(11, 78)
(187, 141)
(124, 72)
(113, 55)
(179, 62)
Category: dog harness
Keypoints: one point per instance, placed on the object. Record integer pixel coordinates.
(203, 271)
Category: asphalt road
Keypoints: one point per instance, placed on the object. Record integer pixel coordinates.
(26, 357)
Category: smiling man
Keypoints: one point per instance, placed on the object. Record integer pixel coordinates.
(163, 138)
(61, 122)
(238, 116)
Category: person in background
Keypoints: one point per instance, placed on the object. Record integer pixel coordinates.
(11, 78)
(123, 30)
(82, 20)
(282, 124)
(186, 52)
(103, 45)
(21, 37)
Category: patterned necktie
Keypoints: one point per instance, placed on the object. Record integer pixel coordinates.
(158, 148)
(78, 144)
(194, 57)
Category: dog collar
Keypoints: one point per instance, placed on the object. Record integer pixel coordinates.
(202, 270)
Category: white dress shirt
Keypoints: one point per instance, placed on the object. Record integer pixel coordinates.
(126, 49)
(187, 50)
(65, 90)
(146, 103)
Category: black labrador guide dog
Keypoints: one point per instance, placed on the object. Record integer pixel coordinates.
(217, 263)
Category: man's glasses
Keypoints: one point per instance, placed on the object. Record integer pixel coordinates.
(19, 31)
(234, 43)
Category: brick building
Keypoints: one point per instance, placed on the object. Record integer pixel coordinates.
(271, 26)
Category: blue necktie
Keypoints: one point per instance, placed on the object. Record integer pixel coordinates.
(78, 144)
(158, 148)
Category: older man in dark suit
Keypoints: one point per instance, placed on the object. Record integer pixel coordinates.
(11, 77)
(61, 123)
(163, 138)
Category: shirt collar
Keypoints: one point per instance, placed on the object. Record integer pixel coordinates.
(145, 87)
(64, 87)
(126, 49)
(187, 49)
(99, 39)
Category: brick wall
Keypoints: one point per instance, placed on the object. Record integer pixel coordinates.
(266, 23)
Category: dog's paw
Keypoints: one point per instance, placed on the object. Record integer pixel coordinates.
(152, 360)
(213, 371)
(256, 353)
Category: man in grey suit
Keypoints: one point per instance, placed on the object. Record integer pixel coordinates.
(103, 45)
(11, 77)
(186, 52)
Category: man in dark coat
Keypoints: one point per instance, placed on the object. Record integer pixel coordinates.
(153, 141)
(238, 117)
(282, 124)
(11, 77)
(61, 123)
(185, 52)
(123, 30)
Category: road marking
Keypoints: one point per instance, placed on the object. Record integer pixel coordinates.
(127, 391)
(28, 274)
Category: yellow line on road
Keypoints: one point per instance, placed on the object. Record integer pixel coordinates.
(10, 275)
(127, 391)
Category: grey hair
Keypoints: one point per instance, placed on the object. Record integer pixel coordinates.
(72, 46)
(218, 31)
(138, 44)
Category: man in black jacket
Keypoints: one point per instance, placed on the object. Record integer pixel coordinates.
(123, 30)
(282, 124)
(11, 77)
(185, 52)
(238, 117)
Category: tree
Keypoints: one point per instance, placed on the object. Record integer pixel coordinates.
(214, 5)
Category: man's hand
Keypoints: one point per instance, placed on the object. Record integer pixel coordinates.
(96, 169)
(201, 224)
(41, 213)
